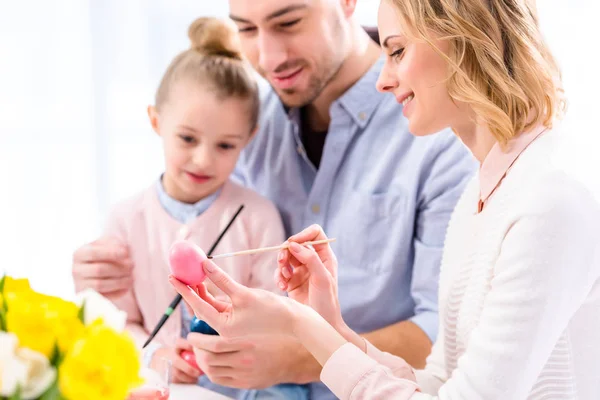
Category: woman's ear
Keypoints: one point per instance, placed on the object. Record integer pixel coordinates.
(153, 116)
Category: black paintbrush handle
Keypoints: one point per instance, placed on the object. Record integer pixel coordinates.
(164, 318)
(178, 298)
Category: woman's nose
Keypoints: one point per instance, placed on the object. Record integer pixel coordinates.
(386, 82)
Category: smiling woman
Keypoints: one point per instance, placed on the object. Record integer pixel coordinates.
(519, 287)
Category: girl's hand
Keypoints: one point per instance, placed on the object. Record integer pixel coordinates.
(182, 371)
(310, 276)
(251, 311)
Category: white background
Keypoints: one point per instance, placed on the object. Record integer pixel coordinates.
(76, 77)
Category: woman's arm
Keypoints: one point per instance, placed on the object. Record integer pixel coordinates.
(348, 371)
(545, 269)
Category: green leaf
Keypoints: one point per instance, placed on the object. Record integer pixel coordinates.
(81, 313)
(53, 392)
(57, 357)
(3, 305)
(3, 327)
(16, 395)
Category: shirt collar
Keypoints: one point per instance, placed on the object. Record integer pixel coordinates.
(183, 212)
(498, 162)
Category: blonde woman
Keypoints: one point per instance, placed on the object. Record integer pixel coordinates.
(520, 278)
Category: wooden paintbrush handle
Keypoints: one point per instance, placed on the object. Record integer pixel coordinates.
(265, 249)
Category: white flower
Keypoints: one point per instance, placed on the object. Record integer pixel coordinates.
(97, 306)
(24, 368)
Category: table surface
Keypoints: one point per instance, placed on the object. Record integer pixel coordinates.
(193, 392)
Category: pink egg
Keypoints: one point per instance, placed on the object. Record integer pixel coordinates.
(185, 260)
(189, 357)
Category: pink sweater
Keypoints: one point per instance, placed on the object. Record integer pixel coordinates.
(149, 230)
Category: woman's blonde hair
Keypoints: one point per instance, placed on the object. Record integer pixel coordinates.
(214, 60)
(500, 64)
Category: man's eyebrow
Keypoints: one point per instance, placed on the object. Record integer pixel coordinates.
(274, 14)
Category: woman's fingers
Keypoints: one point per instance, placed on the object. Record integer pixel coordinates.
(310, 259)
(201, 308)
(221, 280)
(219, 305)
(312, 233)
(324, 251)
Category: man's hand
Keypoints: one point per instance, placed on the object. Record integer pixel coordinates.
(181, 371)
(255, 362)
(103, 265)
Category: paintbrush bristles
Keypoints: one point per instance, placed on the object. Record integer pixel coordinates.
(265, 249)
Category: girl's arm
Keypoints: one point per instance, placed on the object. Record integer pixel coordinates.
(115, 227)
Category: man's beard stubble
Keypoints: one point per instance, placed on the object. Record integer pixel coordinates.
(327, 70)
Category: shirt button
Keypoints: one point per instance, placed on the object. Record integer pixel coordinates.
(300, 150)
(362, 115)
(315, 208)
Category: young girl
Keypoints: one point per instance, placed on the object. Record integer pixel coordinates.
(205, 112)
(519, 286)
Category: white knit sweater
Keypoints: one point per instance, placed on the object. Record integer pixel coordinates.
(519, 299)
(520, 290)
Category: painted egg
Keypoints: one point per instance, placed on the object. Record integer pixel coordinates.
(199, 326)
(189, 357)
(185, 260)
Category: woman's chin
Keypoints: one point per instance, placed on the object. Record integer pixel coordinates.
(417, 128)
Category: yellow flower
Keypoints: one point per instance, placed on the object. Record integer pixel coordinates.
(41, 321)
(16, 285)
(102, 365)
(13, 287)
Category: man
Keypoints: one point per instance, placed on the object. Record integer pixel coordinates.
(332, 150)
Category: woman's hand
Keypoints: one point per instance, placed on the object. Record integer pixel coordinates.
(310, 276)
(251, 311)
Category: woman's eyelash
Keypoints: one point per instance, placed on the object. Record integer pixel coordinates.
(397, 53)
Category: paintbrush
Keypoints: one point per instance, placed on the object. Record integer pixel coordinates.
(178, 298)
(265, 249)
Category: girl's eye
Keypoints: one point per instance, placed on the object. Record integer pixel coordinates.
(226, 146)
(187, 139)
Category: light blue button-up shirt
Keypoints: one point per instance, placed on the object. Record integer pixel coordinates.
(384, 194)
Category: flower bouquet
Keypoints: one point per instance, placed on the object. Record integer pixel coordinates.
(53, 349)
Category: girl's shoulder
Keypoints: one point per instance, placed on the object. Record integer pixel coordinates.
(124, 213)
(237, 194)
